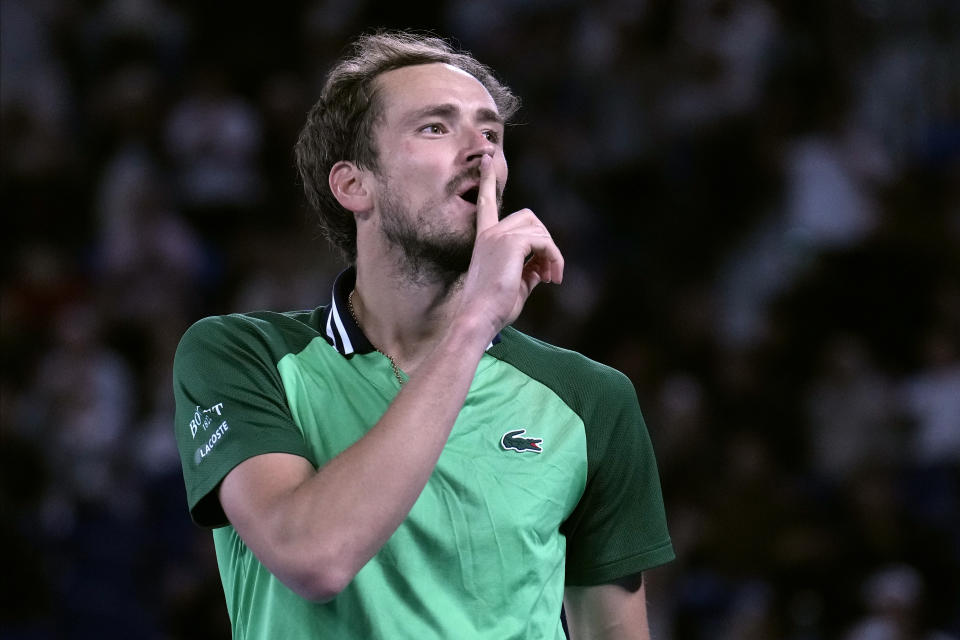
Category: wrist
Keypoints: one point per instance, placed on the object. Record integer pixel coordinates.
(467, 333)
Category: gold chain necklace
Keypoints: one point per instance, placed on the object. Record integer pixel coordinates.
(393, 363)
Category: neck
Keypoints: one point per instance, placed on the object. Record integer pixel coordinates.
(403, 314)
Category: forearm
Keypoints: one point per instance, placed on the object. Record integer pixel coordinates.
(607, 612)
(319, 533)
(368, 490)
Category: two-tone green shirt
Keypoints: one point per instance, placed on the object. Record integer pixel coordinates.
(547, 478)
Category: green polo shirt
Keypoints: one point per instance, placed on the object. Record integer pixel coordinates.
(547, 478)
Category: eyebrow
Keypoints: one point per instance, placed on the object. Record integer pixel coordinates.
(448, 110)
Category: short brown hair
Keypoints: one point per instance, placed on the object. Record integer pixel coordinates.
(340, 125)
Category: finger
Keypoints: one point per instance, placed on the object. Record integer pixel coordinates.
(531, 278)
(525, 223)
(551, 263)
(544, 256)
(519, 219)
(487, 215)
(553, 266)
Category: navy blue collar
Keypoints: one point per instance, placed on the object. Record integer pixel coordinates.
(338, 325)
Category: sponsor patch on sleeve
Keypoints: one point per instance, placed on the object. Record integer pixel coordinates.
(211, 426)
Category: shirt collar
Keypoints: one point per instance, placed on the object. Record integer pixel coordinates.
(338, 325)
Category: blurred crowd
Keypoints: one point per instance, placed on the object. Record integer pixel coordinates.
(759, 204)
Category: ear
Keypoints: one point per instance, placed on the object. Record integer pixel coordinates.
(347, 182)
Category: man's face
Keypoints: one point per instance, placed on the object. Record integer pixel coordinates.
(436, 123)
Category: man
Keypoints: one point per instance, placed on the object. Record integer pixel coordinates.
(400, 462)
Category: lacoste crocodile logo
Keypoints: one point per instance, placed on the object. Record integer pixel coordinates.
(515, 440)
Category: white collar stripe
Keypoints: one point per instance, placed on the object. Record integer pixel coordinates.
(335, 313)
(330, 325)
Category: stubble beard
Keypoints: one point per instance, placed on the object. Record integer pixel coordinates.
(429, 249)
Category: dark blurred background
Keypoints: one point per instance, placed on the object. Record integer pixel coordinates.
(759, 203)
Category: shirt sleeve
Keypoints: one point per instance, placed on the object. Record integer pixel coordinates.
(618, 527)
(230, 406)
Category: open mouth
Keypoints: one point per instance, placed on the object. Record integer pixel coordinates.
(470, 195)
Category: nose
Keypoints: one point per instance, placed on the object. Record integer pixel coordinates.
(476, 144)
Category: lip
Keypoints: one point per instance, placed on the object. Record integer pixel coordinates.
(467, 186)
(470, 185)
(465, 204)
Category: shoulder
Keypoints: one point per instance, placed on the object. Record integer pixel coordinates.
(264, 323)
(266, 332)
(581, 382)
(554, 364)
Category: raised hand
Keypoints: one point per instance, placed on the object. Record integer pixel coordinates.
(510, 258)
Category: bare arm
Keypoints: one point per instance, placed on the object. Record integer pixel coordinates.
(315, 530)
(608, 612)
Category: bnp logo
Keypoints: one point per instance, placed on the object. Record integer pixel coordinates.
(514, 440)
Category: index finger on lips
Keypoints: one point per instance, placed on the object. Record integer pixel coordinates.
(487, 215)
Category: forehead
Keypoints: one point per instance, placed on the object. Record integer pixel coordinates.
(410, 88)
